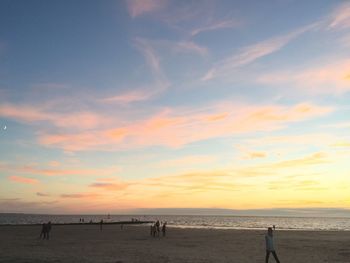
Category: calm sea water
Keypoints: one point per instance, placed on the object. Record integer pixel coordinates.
(223, 222)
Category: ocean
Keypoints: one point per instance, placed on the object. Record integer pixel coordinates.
(194, 221)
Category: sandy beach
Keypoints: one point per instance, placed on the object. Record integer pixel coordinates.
(86, 243)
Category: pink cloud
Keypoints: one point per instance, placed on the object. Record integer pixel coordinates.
(23, 113)
(140, 7)
(24, 180)
(33, 169)
(32, 114)
(340, 19)
(130, 96)
(333, 78)
(189, 46)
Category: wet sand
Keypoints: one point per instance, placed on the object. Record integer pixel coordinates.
(86, 243)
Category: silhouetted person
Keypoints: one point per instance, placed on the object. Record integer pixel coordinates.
(43, 231)
(274, 227)
(101, 223)
(164, 229)
(270, 246)
(157, 227)
(48, 226)
(154, 230)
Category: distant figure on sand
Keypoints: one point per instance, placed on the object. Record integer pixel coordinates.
(48, 229)
(164, 229)
(274, 227)
(157, 227)
(43, 231)
(101, 223)
(154, 232)
(270, 246)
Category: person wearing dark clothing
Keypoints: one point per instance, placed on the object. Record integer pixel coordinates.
(101, 223)
(48, 226)
(164, 229)
(157, 227)
(43, 231)
(270, 246)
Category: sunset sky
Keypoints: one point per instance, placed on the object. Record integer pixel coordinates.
(110, 106)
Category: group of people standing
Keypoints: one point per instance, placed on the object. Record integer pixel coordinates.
(155, 229)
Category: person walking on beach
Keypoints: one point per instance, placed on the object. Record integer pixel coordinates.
(158, 227)
(164, 229)
(101, 223)
(48, 229)
(270, 246)
(43, 231)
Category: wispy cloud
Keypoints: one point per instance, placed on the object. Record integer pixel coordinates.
(80, 196)
(190, 46)
(253, 52)
(330, 78)
(110, 184)
(131, 96)
(24, 180)
(255, 155)
(153, 60)
(216, 25)
(140, 7)
(33, 169)
(340, 19)
(187, 161)
(32, 114)
(42, 194)
(174, 128)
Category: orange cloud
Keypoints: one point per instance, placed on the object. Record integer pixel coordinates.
(78, 196)
(24, 180)
(254, 155)
(177, 128)
(110, 186)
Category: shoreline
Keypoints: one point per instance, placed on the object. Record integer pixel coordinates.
(143, 223)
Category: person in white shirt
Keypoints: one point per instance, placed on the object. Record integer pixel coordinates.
(270, 246)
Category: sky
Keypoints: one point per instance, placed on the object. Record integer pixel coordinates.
(113, 106)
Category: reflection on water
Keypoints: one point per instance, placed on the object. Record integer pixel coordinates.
(234, 222)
